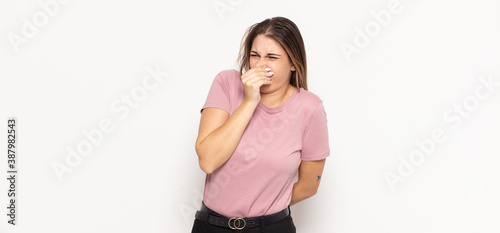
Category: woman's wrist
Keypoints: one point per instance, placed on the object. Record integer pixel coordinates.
(250, 102)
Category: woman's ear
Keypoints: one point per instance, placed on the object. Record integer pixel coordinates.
(293, 68)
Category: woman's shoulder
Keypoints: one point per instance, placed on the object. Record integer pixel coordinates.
(228, 75)
(309, 98)
(310, 104)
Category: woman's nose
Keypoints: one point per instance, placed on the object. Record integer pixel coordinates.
(261, 62)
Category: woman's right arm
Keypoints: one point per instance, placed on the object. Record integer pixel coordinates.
(219, 133)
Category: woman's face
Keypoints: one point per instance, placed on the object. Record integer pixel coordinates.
(268, 53)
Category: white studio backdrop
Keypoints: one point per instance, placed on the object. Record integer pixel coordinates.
(107, 97)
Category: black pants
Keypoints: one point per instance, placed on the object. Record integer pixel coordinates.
(283, 226)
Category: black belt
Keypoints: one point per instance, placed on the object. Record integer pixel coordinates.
(212, 217)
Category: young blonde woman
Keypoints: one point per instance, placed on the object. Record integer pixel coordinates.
(259, 129)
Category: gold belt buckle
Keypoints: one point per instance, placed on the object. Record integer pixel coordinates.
(238, 223)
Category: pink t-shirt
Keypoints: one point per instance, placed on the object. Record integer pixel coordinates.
(258, 177)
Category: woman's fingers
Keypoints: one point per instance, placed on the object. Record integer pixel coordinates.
(253, 79)
(257, 79)
(256, 74)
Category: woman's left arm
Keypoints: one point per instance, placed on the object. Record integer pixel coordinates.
(309, 178)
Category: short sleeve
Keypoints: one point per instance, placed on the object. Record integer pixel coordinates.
(218, 95)
(315, 143)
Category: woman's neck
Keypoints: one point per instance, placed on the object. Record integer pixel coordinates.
(278, 97)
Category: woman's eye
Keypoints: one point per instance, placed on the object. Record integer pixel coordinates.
(273, 57)
(253, 55)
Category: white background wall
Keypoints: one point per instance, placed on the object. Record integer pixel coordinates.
(404, 84)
